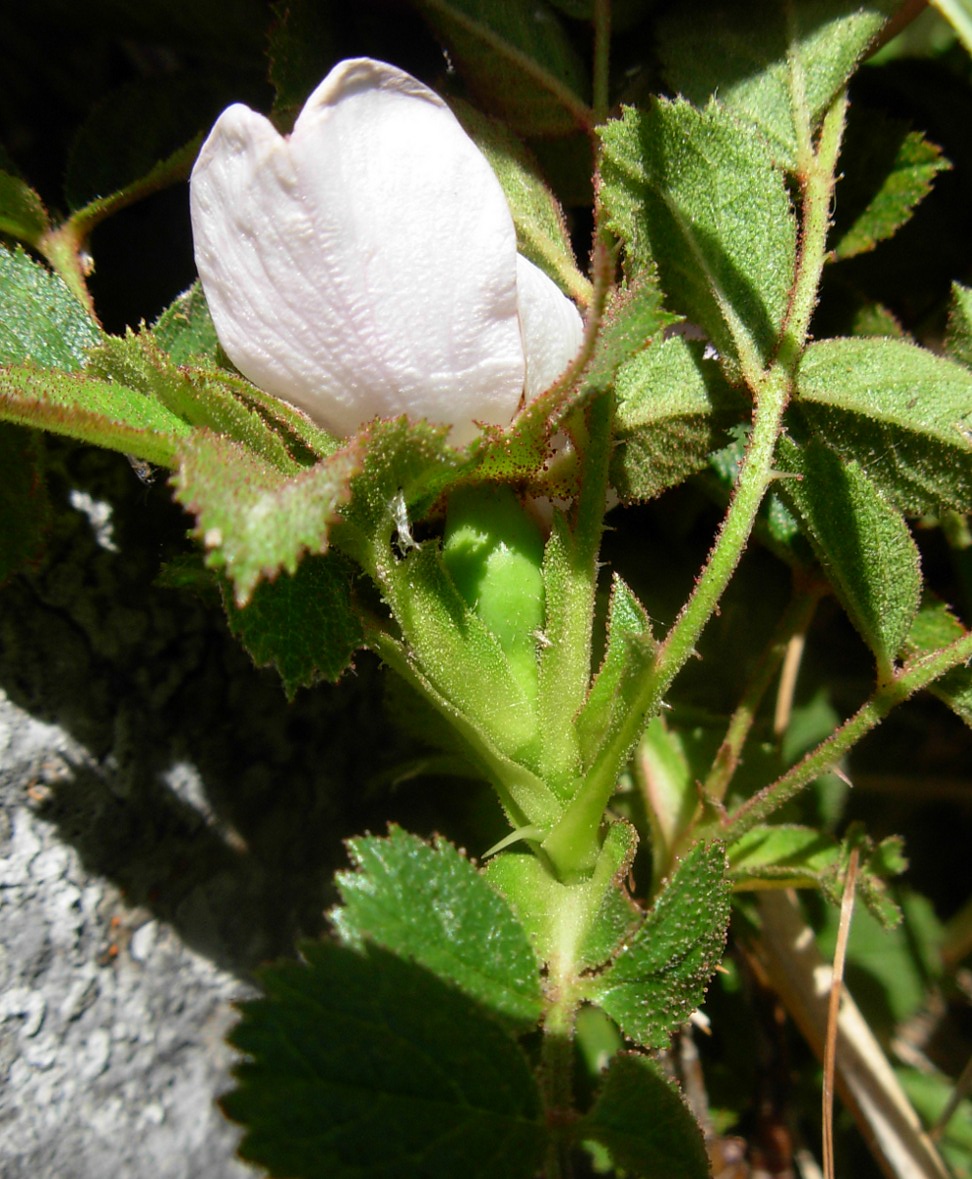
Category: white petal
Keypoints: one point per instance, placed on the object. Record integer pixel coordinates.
(367, 264)
(551, 326)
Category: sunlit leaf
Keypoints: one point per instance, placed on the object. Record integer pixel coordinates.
(889, 169)
(40, 320)
(697, 193)
(902, 413)
(660, 976)
(860, 539)
(427, 903)
(769, 62)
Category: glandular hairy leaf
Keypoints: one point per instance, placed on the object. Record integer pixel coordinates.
(697, 194)
(303, 624)
(517, 59)
(958, 339)
(22, 212)
(102, 413)
(643, 1120)
(185, 330)
(427, 903)
(861, 540)
(673, 409)
(934, 627)
(252, 518)
(360, 1063)
(660, 976)
(888, 169)
(900, 412)
(40, 320)
(779, 65)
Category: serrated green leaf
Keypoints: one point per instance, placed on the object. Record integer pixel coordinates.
(362, 1065)
(22, 212)
(24, 505)
(935, 627)
(40, 320)
(303, 624)
(771, 63)
(251, 517)
(889, 169)
(98, 412)
(781, 857)
(673, 408)
(517, 59)
(633, 321)
(958, 338)
(427, 903)
(660, 976)
(643, 1120)
(541, 234)
(301, 50)
(862, 542)
(904, 414)
(697, 193)
(185, 329)
(205, 399)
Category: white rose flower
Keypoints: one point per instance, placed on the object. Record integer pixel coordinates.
(366, 265)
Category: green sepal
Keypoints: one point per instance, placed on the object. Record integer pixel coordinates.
(628, 635)
(98, 412)
(493, 551)
(203, 398)
(458, 653)
(574, 926)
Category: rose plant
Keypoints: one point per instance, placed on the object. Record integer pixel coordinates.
(399, 412)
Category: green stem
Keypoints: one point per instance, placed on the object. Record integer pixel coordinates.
(557, 1083)
(815, 173)
(570, 575)
(910, 679)
(573, 843)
